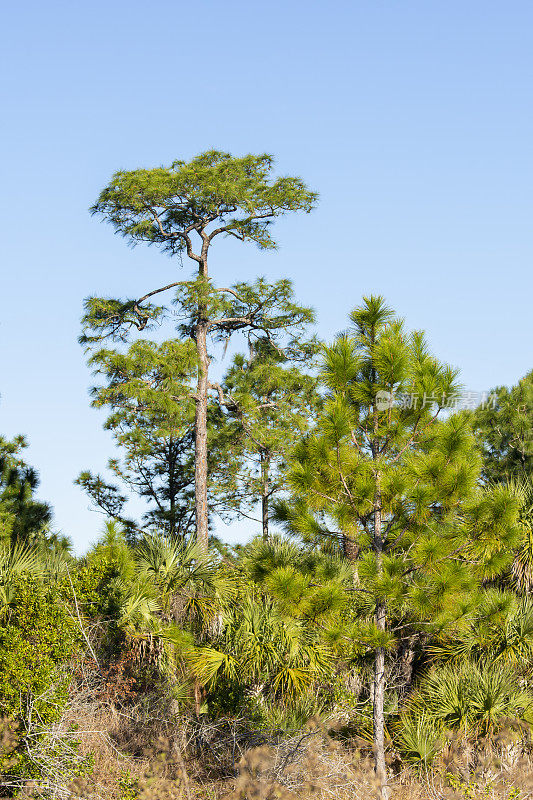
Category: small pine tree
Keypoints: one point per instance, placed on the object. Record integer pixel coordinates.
(401, 485)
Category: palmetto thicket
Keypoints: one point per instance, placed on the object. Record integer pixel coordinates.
(276, 646)
(382, 471)
(499, 629)
(471, 698)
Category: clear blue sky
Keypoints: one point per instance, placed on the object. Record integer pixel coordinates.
(412, 119)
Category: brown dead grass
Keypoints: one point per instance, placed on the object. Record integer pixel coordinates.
(148, 751)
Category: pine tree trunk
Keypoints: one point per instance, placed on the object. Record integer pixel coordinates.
(378, 709)
(265, 489)
(200, 430)
(350, 548)
(379, 664)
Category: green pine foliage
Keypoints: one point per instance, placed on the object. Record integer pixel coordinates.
(504, 431)
(22, 516)
(272, 403)
(402, 486)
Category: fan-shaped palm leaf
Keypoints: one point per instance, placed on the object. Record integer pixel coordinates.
(522, 567)
(419, 737)
(471, 697)
(138, 607)
(16, 560)
(191, 582)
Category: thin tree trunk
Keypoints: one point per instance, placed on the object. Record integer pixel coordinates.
(200, 427)
(265, 489)
(379, 662)
(378, 709)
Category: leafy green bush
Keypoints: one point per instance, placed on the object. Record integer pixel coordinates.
(38, 637)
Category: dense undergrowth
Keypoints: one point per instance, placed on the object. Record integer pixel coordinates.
(156, 670)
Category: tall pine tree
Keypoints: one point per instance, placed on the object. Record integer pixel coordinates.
(182, 209)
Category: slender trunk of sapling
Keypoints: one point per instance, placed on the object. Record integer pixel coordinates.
(265, 489)
(379, 664)
(380, 618)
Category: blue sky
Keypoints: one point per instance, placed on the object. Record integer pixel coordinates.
(412, 119)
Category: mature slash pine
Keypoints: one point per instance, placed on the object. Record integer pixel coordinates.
(183, 209)
(381, 470)
(274, 402)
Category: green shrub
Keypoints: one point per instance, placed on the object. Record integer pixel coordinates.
(38, 637)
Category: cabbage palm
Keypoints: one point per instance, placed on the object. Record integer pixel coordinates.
(154, 640)
(138, 607)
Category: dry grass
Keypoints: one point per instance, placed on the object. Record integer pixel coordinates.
(147, 751)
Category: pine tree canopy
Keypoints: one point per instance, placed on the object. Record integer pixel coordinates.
(163, 206)
(373, 451)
